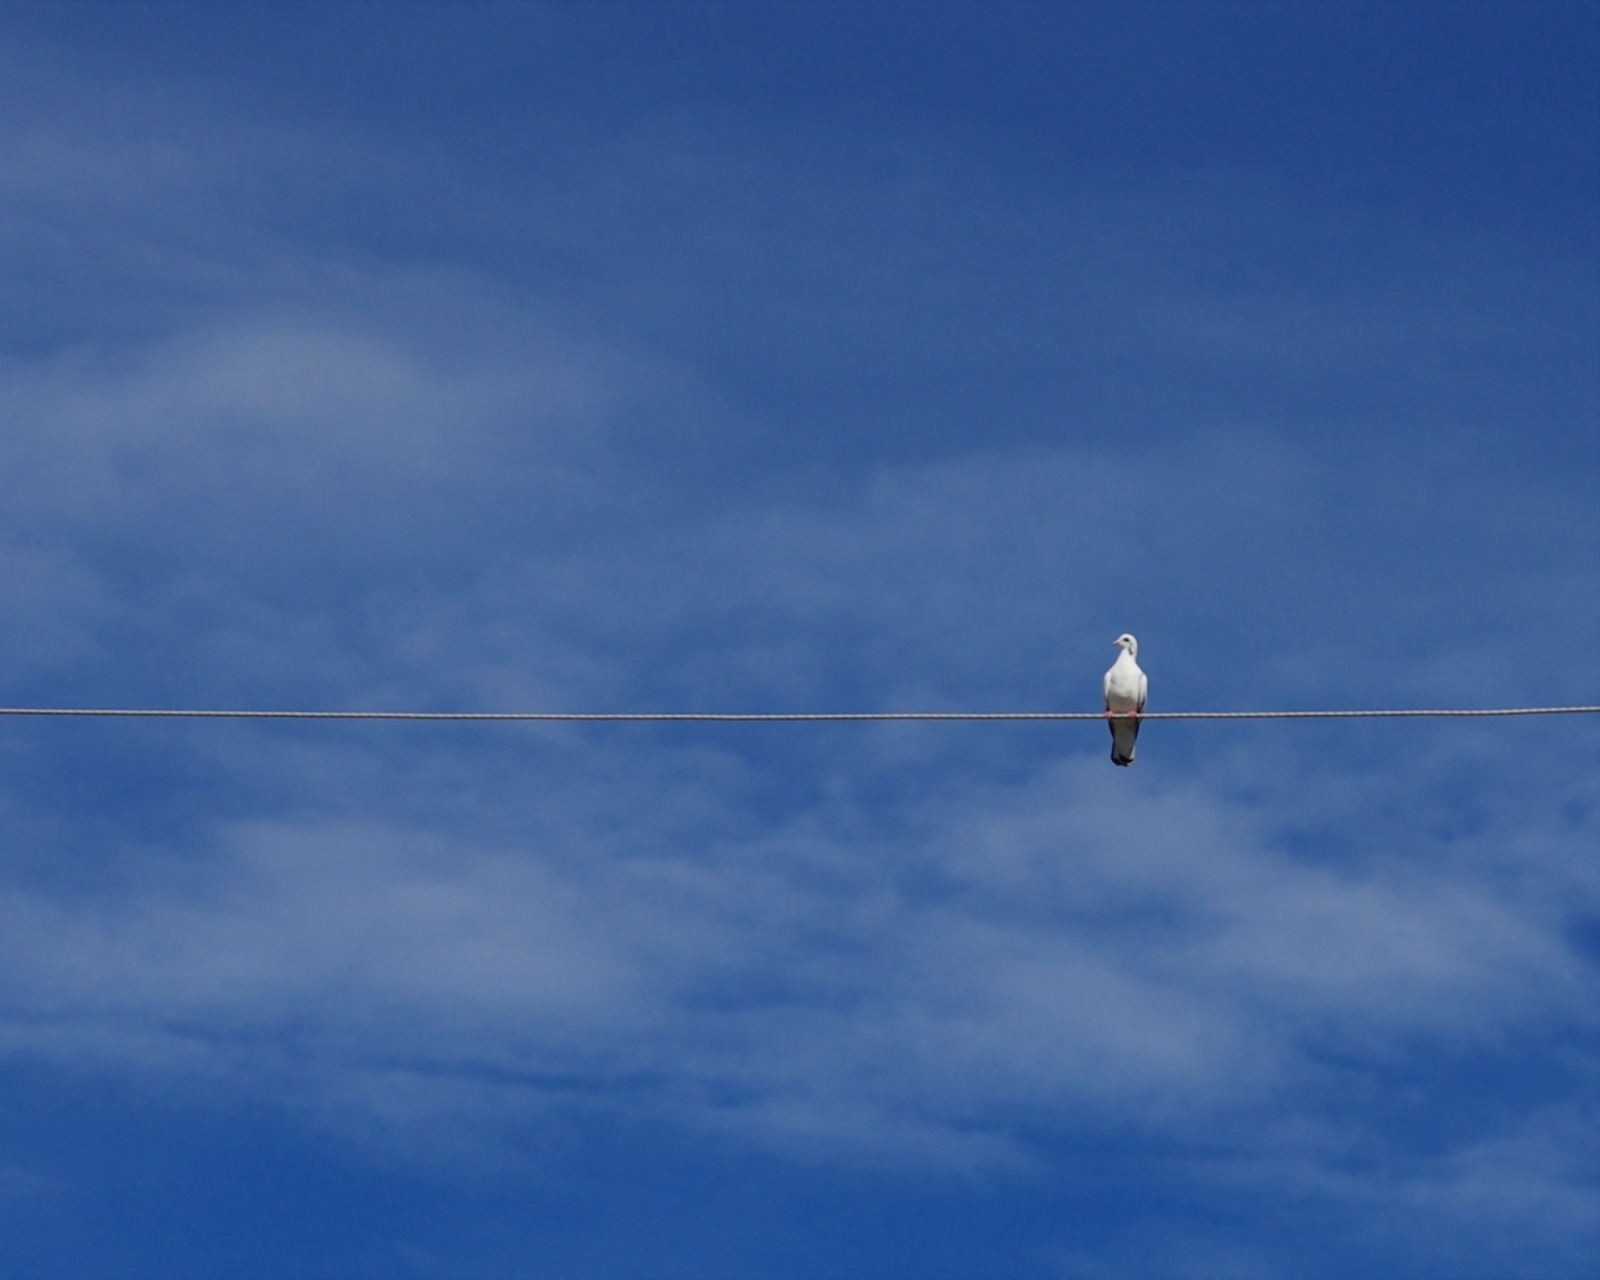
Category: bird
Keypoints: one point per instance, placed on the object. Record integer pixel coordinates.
(1125, 687)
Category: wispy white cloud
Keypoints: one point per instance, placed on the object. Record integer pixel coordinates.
(1034, 954)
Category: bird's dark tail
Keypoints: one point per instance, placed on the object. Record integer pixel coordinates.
(1122, 741)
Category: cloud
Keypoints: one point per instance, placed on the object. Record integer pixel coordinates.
(1016, 941)
(1036, 955)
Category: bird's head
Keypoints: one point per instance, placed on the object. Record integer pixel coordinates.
(1127, 644)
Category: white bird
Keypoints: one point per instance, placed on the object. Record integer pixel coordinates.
(1125, 687)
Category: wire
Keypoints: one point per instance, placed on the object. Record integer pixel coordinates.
(748, 716)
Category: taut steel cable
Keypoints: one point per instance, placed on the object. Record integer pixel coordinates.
(748, 716)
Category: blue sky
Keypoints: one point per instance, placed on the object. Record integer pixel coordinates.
(799, 357)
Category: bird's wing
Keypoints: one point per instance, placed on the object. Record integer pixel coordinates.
(1144, 689)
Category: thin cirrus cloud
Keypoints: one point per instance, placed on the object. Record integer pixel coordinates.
(1019, 960)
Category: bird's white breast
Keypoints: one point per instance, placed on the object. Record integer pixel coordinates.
(1122, 684)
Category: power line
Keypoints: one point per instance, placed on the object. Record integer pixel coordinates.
(756, 716)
